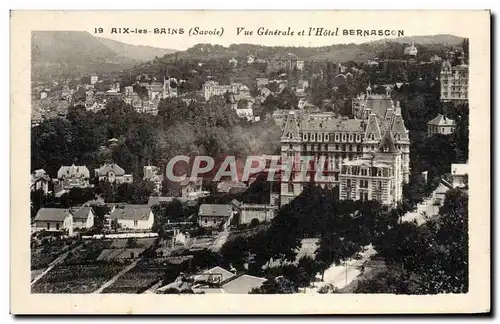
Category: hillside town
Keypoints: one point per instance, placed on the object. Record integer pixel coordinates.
(353, 154)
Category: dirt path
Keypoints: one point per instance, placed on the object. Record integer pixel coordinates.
(220, 240)
(58, 260)
(112, 280)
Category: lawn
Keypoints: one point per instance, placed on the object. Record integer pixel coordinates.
(139, 278)
(76, 279)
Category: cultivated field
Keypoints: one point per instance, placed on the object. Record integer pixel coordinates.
(76, 279)
(138, 279)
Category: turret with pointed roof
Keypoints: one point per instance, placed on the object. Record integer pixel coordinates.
(372, 132)
(387, 143)
(291, 130)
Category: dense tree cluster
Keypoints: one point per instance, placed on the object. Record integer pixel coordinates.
(427, 259)
(210, 128)
(343, 227)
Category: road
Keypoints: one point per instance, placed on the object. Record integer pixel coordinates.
(427, 207)
(343, 274)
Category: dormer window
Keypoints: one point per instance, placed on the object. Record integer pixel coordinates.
(313, 137)
(320, 137)
(326, 138)
(372, 137)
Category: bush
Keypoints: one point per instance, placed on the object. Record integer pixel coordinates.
(254, 222)
(131, 242)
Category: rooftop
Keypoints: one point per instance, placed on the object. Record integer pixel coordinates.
(156, 200)
(243, 284)
(215, 273)
(112, 167)
(326, 123)
(442, 120)
(82, 213)
(52, 214)
(215, 210)
(131, 212)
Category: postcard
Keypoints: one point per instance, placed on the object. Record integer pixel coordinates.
(284, 162)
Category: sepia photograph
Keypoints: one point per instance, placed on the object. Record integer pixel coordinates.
(321, 160)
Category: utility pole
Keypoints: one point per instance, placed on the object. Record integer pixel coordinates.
(345, 264)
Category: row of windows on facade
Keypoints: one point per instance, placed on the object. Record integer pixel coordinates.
(334, 165)
(443, 129)
(448, 73)
(300, 177)
(214, 220)
(461, 95)
(311, 137)
(456, 89)
(337, 147)
(369, 172)
(339, 137)
(362, 184)
(332, 137)
(363, 196)
(455, 83)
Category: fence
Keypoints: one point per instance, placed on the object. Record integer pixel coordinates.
(121, 235)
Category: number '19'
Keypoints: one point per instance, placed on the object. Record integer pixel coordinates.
(98, 30)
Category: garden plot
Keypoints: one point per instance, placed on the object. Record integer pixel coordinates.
(138, 242)
(41, 257)
(141, 277)
(120, 254)
(88, 252)
(76, 279)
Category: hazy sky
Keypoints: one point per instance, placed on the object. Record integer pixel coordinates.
(412, 23)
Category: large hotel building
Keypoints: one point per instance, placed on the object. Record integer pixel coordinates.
(367, 156)
(454, 82)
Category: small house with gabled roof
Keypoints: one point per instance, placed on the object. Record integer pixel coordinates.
(83, 217)
(213, 215)
(133, 217)
(113, 173)
(54, 220)
(441, 125)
